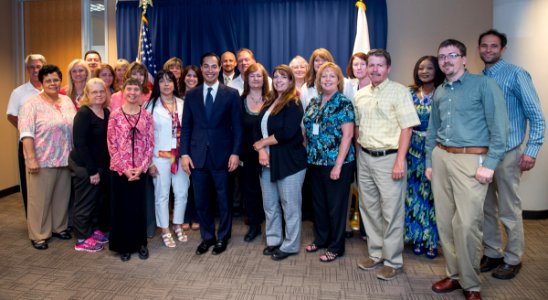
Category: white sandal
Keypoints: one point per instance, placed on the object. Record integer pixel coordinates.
(168, 240)
(181, 236)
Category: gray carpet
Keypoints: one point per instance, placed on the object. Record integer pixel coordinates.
(242, 272)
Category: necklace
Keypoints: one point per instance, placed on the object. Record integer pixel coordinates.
(255, 100)
(423, 95)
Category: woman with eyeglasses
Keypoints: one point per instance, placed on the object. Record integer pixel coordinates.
(130, 140)
(89, 163)
(45, 128)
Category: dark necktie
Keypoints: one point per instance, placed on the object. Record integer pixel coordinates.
(209, 103)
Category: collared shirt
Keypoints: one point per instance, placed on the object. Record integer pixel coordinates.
(19, 96)
(323, 147)
(381, 113)
(522, 104)
(237, 83)
(227, 79)
(307, 93)
(469, 112)
(50, 126)
(215, 87)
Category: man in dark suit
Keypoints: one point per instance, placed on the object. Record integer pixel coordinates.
(228, 66)
(211, 135)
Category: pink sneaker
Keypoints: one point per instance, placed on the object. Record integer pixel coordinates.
(89, 245)
(99, 237)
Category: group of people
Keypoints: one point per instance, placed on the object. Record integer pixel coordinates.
(435, 162)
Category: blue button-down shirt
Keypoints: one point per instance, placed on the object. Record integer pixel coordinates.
(522, 104)
(469, 112)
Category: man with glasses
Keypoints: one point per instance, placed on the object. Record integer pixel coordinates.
(33, 64)
(466, 140)
(522, 103)
(211, 137)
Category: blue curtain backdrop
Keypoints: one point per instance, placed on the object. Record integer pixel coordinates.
(275, 30)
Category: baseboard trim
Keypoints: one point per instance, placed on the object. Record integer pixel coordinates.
(11, 190)
(535, 214)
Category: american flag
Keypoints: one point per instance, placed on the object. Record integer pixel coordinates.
(146, 56)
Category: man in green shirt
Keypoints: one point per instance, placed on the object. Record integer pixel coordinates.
(465, 142)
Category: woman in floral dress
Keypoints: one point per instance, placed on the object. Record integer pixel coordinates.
(420, 218)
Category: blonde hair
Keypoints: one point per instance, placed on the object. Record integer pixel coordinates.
(71, 91)
(85, 101)
(338, 72)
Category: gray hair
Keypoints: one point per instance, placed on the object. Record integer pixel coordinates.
(39, 57)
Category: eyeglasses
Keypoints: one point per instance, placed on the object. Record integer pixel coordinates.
(450, 56)
(97, 93)
(50, 81)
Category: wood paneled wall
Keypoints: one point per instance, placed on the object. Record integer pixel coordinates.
(54, 28)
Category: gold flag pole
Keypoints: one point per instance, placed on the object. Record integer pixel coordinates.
(144, 4)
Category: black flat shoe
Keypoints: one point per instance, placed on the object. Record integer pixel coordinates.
(349, 234)
(64, 235)
(125, 256)
(40, 245)
(143, 252)
(280, 255)
(269, 250)
(204, 246)
(254, 231)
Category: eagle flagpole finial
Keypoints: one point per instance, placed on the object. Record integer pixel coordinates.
(144, 4)
(360, 3)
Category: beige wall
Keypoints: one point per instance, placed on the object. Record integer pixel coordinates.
(416, 27)
(8, 136)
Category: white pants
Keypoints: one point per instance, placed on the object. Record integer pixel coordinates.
(162, 183)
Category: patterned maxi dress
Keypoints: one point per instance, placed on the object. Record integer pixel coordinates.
(420, 218)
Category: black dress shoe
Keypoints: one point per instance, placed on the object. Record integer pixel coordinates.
(506, 271)
(204, 246)
(64, 235)
(219, 247)
(143, 252)
(488, 263)
(279, 254)
(40, 245)
(269, 250)
(254, 231)
(125, 256)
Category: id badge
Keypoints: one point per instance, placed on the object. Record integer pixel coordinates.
(173, 143)
(315, 129)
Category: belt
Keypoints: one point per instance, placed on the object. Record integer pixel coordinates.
(464, 150)
(379, 153)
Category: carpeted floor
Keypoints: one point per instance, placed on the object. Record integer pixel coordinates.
(242, 272)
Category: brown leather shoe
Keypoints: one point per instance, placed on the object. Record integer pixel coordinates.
(506, 271)
(471, 295)
(488, 263)
(446, 285)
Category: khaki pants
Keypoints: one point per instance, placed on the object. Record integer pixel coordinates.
(382, 208)
(503, 202)
(459, 199)
(49, 193)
